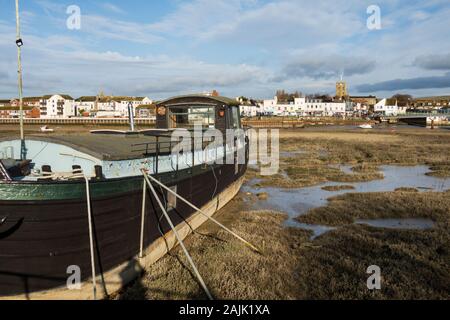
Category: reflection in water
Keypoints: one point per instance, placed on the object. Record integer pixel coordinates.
(297, 202)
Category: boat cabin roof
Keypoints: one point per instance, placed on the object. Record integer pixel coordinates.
(199, 99)
(109, 147)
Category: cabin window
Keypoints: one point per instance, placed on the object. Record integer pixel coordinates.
(187, 117)
(234, 118)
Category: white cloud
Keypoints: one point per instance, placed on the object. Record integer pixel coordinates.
(250, 47)
(112, 7)
(108, 28)
(327, 66)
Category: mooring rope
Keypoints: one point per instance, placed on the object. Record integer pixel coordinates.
(144, 196)
(91, 237)
(201, 212)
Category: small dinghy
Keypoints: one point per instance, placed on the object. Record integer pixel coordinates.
(46, 129)
(366, 126)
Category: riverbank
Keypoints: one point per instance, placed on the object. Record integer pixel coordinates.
(294, 265)
(310, 157)
(414, 263)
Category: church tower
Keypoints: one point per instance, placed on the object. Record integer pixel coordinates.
(341, 89)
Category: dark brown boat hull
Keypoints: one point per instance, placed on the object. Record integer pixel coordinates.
(41, 239)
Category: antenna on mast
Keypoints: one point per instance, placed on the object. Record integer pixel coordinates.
(19, 44)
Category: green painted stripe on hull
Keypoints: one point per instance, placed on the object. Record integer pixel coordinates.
(66, 191)
(76, 190)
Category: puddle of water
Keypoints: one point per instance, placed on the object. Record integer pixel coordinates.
(316, 229)
(406, 224)
(297, 202)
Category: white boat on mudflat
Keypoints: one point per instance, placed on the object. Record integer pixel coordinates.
(366, 126)
(46, 129)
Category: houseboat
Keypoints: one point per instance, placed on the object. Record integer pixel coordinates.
(78, 203)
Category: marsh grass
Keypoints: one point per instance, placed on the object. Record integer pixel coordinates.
(230, 269)
(344, 209)
(406, 189)
(366, 152)
(440, 171)
(414, 263)
(338, 188)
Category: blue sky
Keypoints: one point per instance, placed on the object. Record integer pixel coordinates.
(238, 47)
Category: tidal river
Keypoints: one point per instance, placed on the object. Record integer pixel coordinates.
(295, 202)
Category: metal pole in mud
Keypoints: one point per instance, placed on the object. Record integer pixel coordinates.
(188, 256)
(91, 237)
(19, 44)
(204, 214)
(131, 115)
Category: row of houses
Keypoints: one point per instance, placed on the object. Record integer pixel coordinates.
(431, 103)
(299, 107)
(352, 106)
(64, 106)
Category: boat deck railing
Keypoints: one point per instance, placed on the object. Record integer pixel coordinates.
(164, 145)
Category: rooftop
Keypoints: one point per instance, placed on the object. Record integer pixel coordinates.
(108, 98)
(433, 98)
(225, 100)
(65, 96)
(9, 107)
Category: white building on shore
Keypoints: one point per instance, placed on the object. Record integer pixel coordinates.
(110, 104)
(304, 107)
(388, 107)
(57, 106)
(274, 108)
(250, 110)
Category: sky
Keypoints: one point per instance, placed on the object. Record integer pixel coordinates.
(239, 47)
